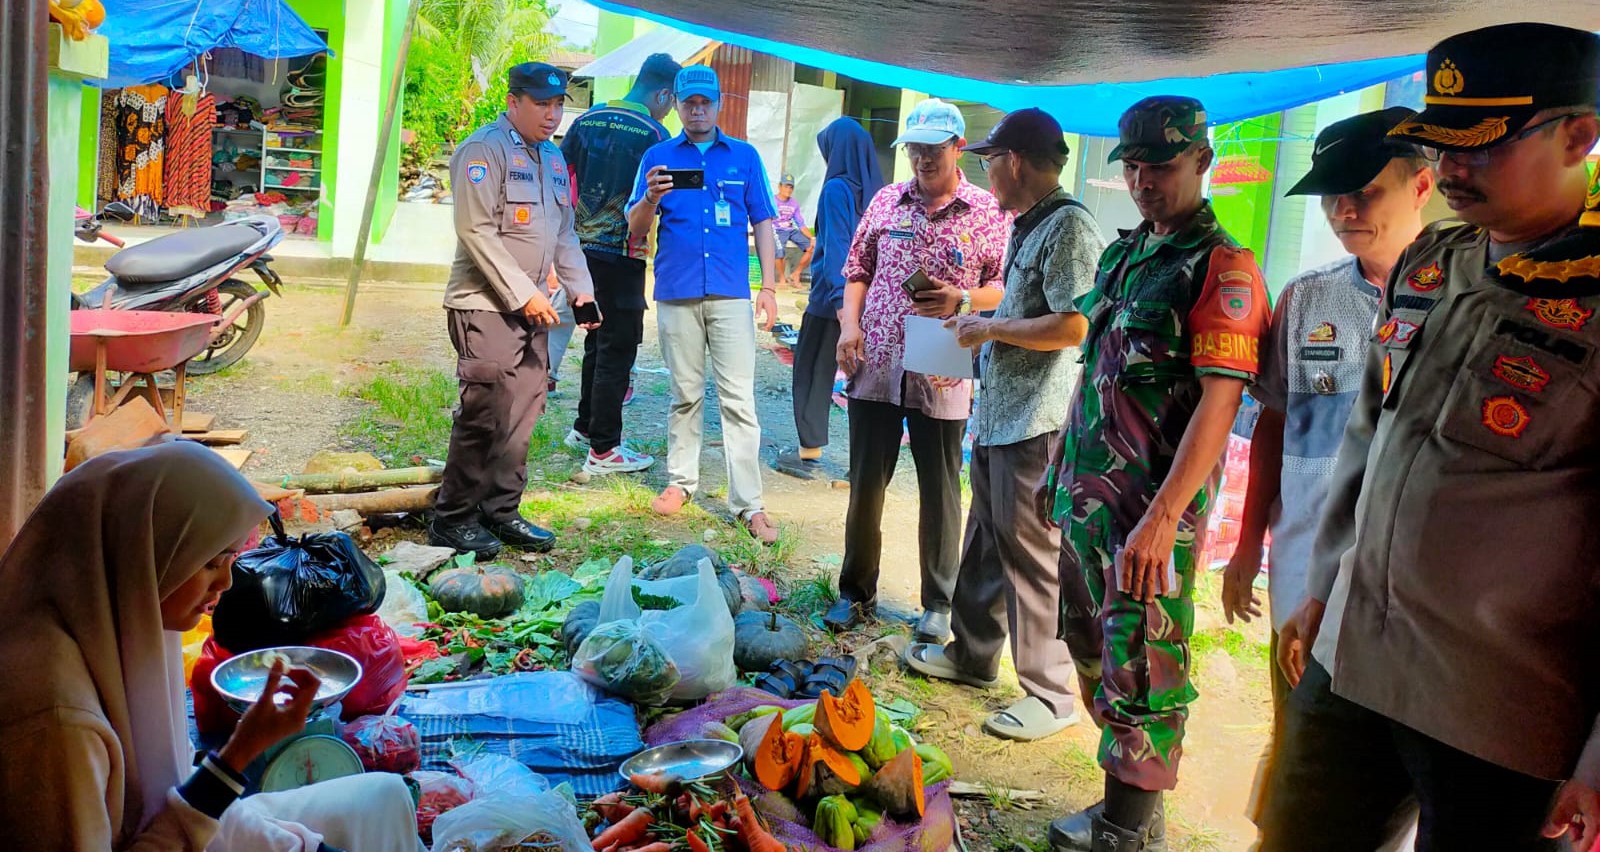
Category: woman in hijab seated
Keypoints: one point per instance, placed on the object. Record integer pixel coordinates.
(125, 553)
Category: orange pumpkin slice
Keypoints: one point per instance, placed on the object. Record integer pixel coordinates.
(826, 770)
(897, 786)
(774, 756)
(847, 721)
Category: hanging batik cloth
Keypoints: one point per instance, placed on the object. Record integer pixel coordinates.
(190, 120)
(141, 142)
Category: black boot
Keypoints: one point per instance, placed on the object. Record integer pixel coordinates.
(1073, 832)
(465, 538)
(1155, 840)
(1110, 837)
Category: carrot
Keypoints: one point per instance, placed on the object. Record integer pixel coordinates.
(755, 837)
(696, 844)
(611, 807)
(658, 846)
(662, 783)
(718, 810)
(629, 829)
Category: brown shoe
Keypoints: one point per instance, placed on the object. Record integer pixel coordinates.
(670, 501)
(762, 527)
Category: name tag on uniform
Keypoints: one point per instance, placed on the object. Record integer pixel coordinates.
(724, 214)
(1320, 353)
(901, 235)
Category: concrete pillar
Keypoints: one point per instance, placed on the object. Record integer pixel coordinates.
(360, 112)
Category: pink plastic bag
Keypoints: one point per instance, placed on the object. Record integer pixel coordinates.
(386, 743)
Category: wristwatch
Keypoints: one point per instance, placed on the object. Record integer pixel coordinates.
(966, 302)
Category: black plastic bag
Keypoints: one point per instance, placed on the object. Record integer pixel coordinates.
(290, 589)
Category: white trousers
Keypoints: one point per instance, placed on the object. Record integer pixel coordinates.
(723, 331)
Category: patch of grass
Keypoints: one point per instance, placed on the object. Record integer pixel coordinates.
(1079, 766)
(1186, 836)
(409, 415)
(999, 796)
(311, 384)
(813, 595)
(1244, 650)
(1024, 842)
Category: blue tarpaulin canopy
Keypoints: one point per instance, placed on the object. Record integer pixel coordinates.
(152, 40)
(1085, 61)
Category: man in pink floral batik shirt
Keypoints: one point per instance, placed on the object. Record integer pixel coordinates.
(955, 234)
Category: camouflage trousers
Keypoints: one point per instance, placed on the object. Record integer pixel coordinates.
(1137, 653)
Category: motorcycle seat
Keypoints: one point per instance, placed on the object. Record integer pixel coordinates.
(180, 255)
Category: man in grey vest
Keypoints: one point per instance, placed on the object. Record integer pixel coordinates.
(514, 222)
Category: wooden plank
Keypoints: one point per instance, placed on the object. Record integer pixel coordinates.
(194, 421)
(234, 456)
(218, 437)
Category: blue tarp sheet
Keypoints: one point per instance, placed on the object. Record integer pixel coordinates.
(1091, 108)
(152, 40)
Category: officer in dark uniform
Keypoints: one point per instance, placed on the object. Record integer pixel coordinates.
(514, 223)
(1453, 594)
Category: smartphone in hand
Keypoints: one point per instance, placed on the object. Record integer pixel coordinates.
(916, 282)
(586, 314)
(687, 178)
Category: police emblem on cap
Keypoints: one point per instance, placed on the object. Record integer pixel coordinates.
(554, 80)
(1448, 80)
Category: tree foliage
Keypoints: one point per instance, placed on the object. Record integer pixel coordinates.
(456, 70)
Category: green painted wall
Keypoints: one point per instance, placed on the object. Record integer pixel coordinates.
(1247, 213)
(328, 15)
(64, 122)
(394, 26)
(88, 147)
(614, 31)
(1286, 239)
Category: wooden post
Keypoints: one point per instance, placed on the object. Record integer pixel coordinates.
(397, 80)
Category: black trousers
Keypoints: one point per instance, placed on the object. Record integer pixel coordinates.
(501, 363)
(875, 429)
(610, 350)
(815, 364)
(1344, 771)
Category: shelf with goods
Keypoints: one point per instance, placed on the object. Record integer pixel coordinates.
(279, 160)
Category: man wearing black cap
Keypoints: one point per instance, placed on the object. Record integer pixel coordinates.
(1009, 579)
(514, 222)
(1176, 317)
(1455, 559)
(1373, 190)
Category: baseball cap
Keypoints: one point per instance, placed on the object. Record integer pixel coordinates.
(786, 180)
(933, 122)
(537, 80)
(1158, 129)
(697, 80)
(1485, 84)
(1030, 130)
(1350, 154)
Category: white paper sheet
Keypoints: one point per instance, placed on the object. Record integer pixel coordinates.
(932, 349)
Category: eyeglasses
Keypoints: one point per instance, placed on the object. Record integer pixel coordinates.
(987, 163)
(1481, 156)
(916, 151)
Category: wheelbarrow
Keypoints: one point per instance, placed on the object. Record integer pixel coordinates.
(137, 344)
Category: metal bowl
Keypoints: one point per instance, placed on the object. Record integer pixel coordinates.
(240, 680)
(690, 760)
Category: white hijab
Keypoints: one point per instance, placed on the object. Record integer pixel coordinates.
(89, 570)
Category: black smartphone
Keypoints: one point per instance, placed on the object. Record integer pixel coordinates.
(687, 178)
(586, 314)
(916, 282)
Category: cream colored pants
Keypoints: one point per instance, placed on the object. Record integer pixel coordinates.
(720, 331)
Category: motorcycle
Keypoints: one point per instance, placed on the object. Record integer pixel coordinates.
(189, 270)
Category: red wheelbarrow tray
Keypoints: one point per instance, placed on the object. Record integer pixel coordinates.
(138, 341)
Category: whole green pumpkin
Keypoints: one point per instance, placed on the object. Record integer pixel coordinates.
(762, 638)
(487, 591)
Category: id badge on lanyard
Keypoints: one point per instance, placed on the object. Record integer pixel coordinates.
(723, 208)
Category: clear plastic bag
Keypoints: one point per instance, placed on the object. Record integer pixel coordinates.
(386, 743)
(442, 792)
(697, 638)
(621, 658)
(403, 606)
(501, 774)
(496, 821)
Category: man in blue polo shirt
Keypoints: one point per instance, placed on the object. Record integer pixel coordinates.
(702, 293)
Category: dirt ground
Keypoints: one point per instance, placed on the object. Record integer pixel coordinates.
(301, 390)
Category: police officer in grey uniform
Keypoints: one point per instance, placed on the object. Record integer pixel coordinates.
(1454, 582)
(514, 222)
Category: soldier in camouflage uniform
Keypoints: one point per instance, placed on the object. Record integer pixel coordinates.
(1175, 323)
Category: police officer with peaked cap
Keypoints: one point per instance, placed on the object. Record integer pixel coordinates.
(1454, 590)
(514, 223)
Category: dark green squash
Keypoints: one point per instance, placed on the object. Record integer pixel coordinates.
(762, 638)
(686, 563)
(487, 591)
(579, 624)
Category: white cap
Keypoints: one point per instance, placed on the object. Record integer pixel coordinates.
(933, 122)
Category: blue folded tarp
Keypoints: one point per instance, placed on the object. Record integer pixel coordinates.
(151, 40)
